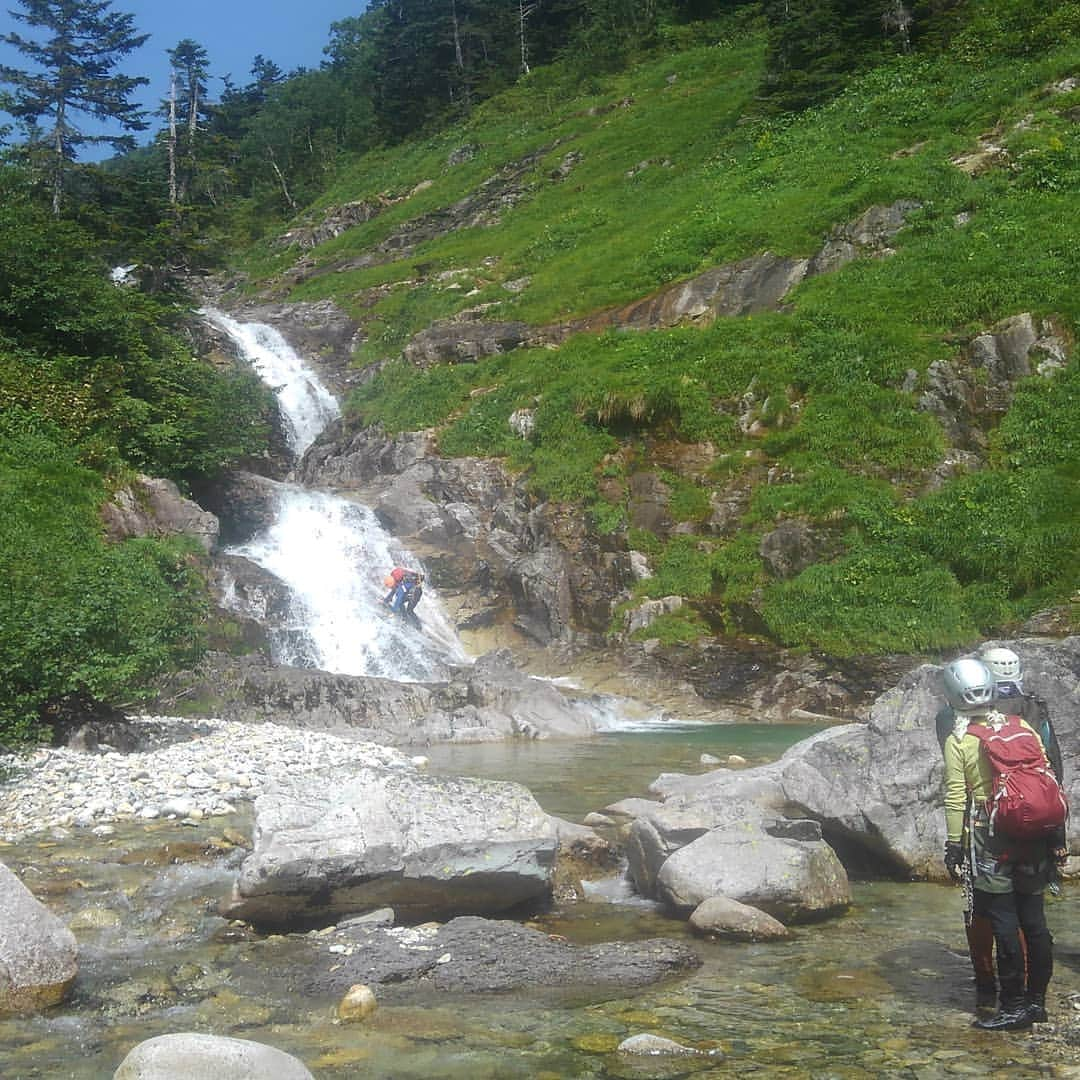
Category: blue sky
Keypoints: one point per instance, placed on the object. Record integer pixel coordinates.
(292, 33)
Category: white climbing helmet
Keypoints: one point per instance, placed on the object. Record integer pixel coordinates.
(1003, 663)
(969, 685)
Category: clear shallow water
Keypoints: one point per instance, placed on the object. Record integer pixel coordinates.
(571, 778)
(883, 991)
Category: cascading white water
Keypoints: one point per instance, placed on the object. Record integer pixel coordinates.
(333, 556)
(331, 553)
(306, 405)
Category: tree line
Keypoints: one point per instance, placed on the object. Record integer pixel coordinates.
(226, 165)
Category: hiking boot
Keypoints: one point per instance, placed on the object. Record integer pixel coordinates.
(1014, 1016)
(1037, 1008)
(986, 995)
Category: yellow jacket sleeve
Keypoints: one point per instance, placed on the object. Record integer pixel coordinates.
(956, 785)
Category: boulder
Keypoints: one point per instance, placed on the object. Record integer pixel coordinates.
(877, 788)
(208, 1057)
(722, 917)
(245, 503)
(792, 880)
(326, 847)
(38, 954)
(874, 791)
(151, 506)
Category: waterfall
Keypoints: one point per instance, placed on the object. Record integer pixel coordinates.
(331, 553)
(306, 405)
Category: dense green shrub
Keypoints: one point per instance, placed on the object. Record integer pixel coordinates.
(1042, 427)
(1014, 530)
(105, 361)
(871, 600)
(865, 426)
(76, 613)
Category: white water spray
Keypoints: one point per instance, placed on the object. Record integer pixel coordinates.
(331, 553)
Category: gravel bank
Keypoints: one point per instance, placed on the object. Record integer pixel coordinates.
(194, 769)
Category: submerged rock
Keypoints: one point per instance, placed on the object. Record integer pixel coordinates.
(722, 917)
(475, 955)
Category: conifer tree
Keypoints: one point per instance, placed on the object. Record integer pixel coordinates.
(188, 98)
(75, 72)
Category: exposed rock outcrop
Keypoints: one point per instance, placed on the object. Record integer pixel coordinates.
(971, 392)
(38, 954)
(487, 701)
(426, 846)
(486, 533)
(151, 506)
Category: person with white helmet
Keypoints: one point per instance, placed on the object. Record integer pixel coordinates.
(1009, 676)
(1007, 876)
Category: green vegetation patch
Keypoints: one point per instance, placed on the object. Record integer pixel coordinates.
(77, 613)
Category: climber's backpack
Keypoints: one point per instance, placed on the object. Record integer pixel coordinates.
(1025, 800)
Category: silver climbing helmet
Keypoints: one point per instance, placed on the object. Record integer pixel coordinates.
(969, 685)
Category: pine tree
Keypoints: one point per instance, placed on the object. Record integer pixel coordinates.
(76, 73)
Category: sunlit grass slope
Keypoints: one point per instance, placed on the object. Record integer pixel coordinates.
(679, 172)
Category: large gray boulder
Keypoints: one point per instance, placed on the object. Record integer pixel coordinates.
(792, 880)
(38, 954)
(723, 834)
(877, 788)
(874, 790)
(329, 846)
(208, 1057)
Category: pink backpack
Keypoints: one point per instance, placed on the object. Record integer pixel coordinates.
(1025, 801)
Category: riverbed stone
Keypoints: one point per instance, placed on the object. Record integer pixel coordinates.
(330, 845)
(208, 1057)
(38, 953)
(722, 917)
(357, 1004)
(474, 955)
(655, 1046)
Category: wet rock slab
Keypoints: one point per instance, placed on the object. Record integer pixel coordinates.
(473, 955)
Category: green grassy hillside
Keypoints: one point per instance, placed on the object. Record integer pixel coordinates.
(674, 171)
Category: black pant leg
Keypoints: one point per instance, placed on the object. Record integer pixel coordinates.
(1001, 909)
(1040, 944)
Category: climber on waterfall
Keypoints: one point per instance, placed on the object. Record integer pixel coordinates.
(406, 588)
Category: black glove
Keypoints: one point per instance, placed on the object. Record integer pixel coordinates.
(1060, 856)
(954, 858)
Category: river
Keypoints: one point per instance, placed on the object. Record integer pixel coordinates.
(883, 991)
